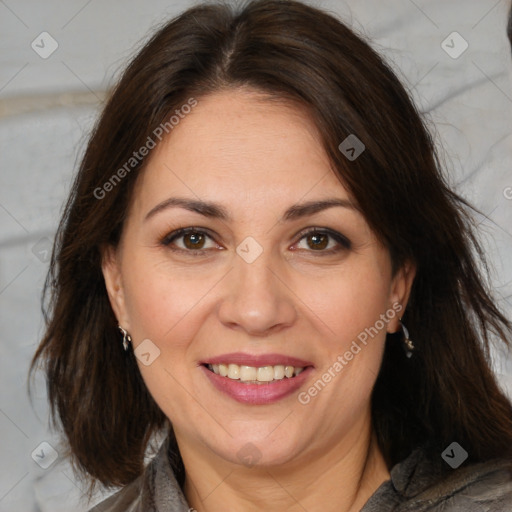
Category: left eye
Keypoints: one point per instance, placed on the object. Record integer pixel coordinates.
(323, 241)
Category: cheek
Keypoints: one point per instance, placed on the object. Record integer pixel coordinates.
(159, 298)
(349, 306)
(165, 307)
(348, 302)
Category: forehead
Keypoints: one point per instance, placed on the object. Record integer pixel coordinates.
(239, 146)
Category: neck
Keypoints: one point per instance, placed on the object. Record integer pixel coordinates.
(341, 478)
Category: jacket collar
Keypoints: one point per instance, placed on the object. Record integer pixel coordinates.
(416, 480)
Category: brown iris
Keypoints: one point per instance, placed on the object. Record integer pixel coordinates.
(193, 240)
(320, 241)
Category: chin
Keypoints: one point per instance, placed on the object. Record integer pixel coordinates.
(258, 451)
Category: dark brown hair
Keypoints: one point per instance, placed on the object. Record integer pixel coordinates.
(290, 52)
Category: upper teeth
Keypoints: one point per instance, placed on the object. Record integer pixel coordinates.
(255, 374)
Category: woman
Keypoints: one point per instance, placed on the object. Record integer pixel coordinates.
(258, 223)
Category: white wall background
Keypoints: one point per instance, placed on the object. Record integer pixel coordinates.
(47, 106)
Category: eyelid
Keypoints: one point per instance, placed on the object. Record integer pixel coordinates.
(177, 233)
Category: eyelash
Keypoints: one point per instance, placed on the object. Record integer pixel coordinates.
(344, 243)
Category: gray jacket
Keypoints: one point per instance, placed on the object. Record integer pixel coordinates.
(414, 486)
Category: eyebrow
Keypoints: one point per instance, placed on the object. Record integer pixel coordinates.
(217, 211)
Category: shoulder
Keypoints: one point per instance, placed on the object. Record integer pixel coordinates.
(155, 490)
(479, 487)
(128, 499)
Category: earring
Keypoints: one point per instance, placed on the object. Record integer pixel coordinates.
(408, 344)
(126, 337)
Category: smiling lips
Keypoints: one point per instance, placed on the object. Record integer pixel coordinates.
(256, 379)
(253, 374)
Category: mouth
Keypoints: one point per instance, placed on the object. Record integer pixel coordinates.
(255, 374)
(256, 380)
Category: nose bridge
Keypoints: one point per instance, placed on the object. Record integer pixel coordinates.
(255, 275)
(256, 299)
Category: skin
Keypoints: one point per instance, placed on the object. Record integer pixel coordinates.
(257, 158)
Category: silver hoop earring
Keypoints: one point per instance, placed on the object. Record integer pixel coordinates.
(127, 339)
(408, 344)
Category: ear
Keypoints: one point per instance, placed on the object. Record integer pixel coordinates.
(111, 268)
(400, 290)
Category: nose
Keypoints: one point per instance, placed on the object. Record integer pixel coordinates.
(257, 299)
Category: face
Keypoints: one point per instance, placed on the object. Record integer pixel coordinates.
(277, 280)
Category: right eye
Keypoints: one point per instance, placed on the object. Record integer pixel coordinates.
(189, 240)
